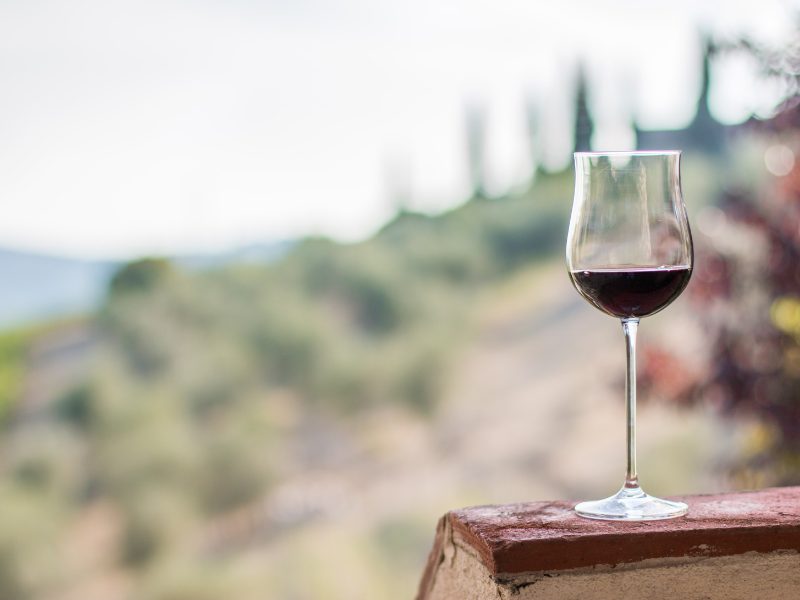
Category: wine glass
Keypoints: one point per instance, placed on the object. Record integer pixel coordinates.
(629, 253)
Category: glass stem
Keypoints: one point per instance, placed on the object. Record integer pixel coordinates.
(630, 326)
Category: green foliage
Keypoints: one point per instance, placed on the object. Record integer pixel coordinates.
(154, 521)
(236, 465)
(30, 549)
(14, 346)
(403, 541)
(140, 276)
(11, 586)
(76, 406)
(200, 581)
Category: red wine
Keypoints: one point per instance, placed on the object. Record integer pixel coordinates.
(631, 291)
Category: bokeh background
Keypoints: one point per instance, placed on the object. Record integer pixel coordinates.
(283, 282)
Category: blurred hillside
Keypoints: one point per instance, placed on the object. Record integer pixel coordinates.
(226, 432)
(194, 395)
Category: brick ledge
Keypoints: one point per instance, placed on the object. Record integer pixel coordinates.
(547, 536)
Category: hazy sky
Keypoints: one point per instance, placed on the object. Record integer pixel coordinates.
(131, 127)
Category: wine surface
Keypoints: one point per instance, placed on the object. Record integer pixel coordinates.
(631, 291)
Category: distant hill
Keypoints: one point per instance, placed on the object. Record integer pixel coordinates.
(38, 286)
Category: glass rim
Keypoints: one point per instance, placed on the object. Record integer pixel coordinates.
(628, 153)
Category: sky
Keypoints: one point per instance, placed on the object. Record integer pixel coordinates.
(175, 126)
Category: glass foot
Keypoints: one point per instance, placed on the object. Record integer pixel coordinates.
(631, 504)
